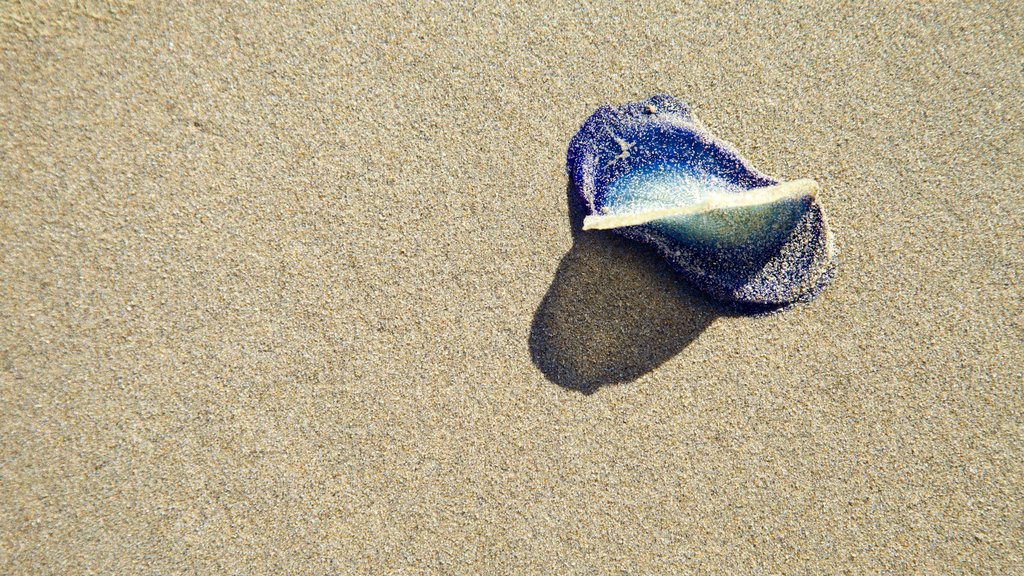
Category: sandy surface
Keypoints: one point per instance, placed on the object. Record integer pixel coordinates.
(296, 291)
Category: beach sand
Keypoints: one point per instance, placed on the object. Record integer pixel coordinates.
(295, 290)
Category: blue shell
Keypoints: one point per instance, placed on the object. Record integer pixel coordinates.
(652, 157)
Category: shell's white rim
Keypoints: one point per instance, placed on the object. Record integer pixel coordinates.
(794, 189)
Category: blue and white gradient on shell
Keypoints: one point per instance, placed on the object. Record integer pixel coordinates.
(651, 172)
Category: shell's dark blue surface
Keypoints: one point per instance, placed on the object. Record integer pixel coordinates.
(654, 155)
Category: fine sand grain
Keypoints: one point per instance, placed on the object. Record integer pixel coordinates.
(294, 290)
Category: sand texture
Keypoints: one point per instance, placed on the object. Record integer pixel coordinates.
(294, 290)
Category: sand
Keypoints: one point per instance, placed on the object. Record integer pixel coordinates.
(295, 290)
